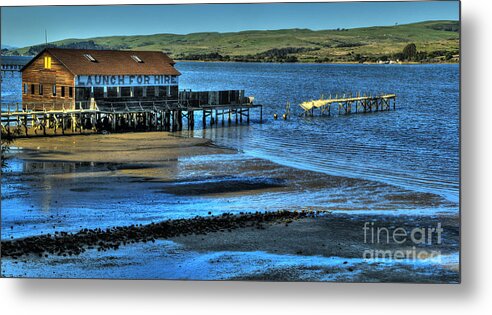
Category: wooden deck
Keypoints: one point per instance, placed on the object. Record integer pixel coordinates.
(348, 104)
(19, 121)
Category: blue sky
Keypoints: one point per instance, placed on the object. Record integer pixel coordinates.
(23, 26)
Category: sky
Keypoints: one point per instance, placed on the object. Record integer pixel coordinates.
(25, 26)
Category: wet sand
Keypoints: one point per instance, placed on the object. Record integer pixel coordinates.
(340, 236)
(152, 177)
(115, 148)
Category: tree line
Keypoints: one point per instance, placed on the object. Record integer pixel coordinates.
(285, 54)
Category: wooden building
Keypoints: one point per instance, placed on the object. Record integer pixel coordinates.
(80, 79)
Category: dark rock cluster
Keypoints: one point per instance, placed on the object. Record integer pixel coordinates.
(67, 244)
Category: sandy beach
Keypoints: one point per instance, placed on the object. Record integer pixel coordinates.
(60, 186)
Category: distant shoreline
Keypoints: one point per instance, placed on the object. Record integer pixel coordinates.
(323, 63)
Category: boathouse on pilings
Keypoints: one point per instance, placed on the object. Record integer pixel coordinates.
(70, 79)
(71, 91)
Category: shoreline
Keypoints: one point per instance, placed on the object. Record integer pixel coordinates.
(327, 63)
(175, 171)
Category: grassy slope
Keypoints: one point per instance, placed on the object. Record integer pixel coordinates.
(372, 41)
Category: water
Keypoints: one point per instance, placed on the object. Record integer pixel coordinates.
(415, 147)
(11, 87)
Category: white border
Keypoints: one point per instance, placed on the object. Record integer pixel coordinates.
(180, 297)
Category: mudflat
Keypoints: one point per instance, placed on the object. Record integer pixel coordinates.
(107, 185)
(115, 148)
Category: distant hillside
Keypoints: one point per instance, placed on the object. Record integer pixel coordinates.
(7, 46)
(434, 40)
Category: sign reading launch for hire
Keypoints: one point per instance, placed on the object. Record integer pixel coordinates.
(125, 80)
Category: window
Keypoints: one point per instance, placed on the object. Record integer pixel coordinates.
(70, 91)
(47, 62)
(126, 91)
(150, 91)
(40, 89)
(138, 91)
(162, 91)
(82, 93)
(26, 88)
(112, 91)
(98, 92)
(53, 89)
(90, 58)
(62, 91)
(174, 92)
(137, 59)
(32, 89)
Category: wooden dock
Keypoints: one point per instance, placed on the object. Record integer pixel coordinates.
(18, 120)
(349, 104)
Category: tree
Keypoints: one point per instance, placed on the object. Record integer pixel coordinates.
(410, 51)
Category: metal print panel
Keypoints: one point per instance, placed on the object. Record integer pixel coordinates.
(232, 142)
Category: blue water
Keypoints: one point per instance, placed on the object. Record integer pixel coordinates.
(416, 146)
(11, 87)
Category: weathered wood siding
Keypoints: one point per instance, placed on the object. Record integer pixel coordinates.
(58, 75)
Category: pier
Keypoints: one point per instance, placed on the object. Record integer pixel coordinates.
(77, 91)
(44, 119)
(348, 104)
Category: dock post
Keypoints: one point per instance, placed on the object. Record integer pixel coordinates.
(113, 122)
(44, 125)
(261, 114)
(63, 123)
(74, 123)
(8, 120)
(55, 122)
(180, 120)
(173, 122)
(168, 120)
(204, 119)
(25, 125)
(162, 121)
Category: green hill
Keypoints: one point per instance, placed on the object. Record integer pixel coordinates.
(434, 41)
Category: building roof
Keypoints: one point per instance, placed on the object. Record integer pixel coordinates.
(112, 62)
